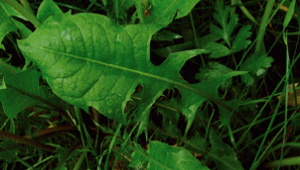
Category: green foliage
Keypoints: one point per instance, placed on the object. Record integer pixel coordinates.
(228, 24)
(7, 25)
(135, 84)
(257, 69)
(178, 158)
(223, 154)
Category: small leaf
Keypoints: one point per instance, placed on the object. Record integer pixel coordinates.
(137, 158)
(22, 90)
(217, 50)
(162, 156)
(10, 10)
(196, 144)
(169, 109)
(163, 12)
(46, 9)
(221, 15)
(289, 14)
(165, 35)
(223, 155)
(214, 70)
(186, 8)
(212, 86)
(241, 42)
(7, 25)
(6, 69)
(257, 65)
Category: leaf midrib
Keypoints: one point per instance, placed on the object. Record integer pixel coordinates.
(143, 74)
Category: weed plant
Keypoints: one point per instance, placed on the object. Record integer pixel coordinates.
(149, 84)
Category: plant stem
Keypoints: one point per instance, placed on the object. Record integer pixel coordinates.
(27, 14)
(264, 22)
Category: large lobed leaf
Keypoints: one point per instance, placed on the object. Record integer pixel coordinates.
(89, 61)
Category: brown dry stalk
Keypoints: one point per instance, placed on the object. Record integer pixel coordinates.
(48, 131)
(26, 141)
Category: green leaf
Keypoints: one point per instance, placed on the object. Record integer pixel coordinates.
(47, 9)
(24, 31)
(136, 158)
(227, 27)
(7, 25)
(196, 144)
(6, 69)
(10, 10)
(22, 90)
(257, 65)
(214, 70)
(170, 109)
(186, 8)
(225, 115)
(211, 89)
(222, 15)
(89, 61)
(241, 42)
(163, 12)
(163, 156)
(4, 155)
(165, 35)
(104, 2)
(289, 14)
(223, 155)
(68, 51)
(217, 50)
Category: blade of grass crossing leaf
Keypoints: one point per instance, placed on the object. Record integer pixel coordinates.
(208, 124)
(231, 137)
(80, 124)
(4, 124)
(112, 144)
